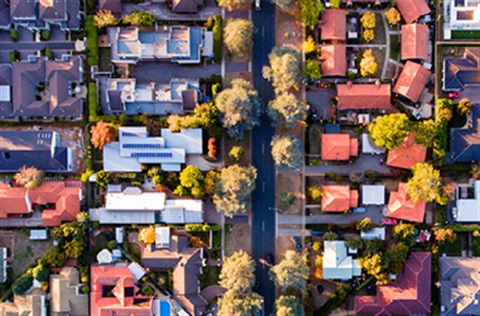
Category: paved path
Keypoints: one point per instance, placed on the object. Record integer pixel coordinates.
(294, 232)
(387, 50)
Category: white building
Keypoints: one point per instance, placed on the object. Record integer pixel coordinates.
(461, 15)
(373, 194)
(468, 203)
(369, 147)
(374, 233)
(337, 265)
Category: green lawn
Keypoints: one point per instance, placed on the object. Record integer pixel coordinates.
(466, 35)
(394, 47)
(209, 276)
(454, 248)
(476, 246)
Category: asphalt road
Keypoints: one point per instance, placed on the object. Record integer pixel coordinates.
(263, 198)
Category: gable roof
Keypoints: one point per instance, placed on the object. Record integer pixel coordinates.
(33, 304)
(411, 295)
(401, 207)
(22, 9)
(186, 6)
(461, 72)
(407, 154)
(364, 96)
(5, 89)
(412, 80)
(412, 9)
(338, 147)
(4, 14)
(333, 24)
(65, 294)
(338, 198)
(336, 263)
(415, 39)
(334, 60)
(114, 6)
(465, 142)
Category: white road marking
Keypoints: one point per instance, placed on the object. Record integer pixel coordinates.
(263, 226)
(263, 148)
(263, 31)
(263, 186)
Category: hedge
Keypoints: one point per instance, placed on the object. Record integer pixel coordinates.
(92, 41)
(217, 38)
(14, 35)
(440, 141)
(23, 283)
(93, 108)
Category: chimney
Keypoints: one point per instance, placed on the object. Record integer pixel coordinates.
(349, 84)
(378, 84)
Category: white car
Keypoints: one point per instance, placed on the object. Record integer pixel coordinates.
(257, 5)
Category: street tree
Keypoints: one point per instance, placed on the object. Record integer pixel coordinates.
(285, 68)
(390, 131)
(104, 18)
(426, 184)
(290, 273)
(245, 304)
(147, 235)
(403, 231)
(393, 16)
(239, 108)
(191, 182)
(395, 256)
(425, 131)
(238, 35)
(331, 236)
(231, 5)
(238, 273)
(464, 106)
(288, 305)
(287, 151)
(368, 65)
(312, 69)
(29, 177)
(310, 11)
(368, 35)
(364, 225)
(236, 153)
(368, 20)
(233, 189)
(102, 133)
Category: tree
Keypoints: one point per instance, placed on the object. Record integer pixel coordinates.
(86, 175)
(209, 182)
(238, 272)
(373, 264)
(309, 46)
(425, 131)
(239, 108)
(48, 53)
(74, 248)
(287, 151)
(443, 235)
(354, 241)
(231, 5)
(29, 177)
(236, 153)
(287, 108)
(310, 11)
(368, 20)
(464, 106)
(102, 133)
(191, 182)
(285, 68)
(104, 18)
(312, 69)
(140, 19)
(315, 193)
(14, 34)
(287, 305)
(364, 225)
(426, 184)
(207, 116)
(291, 272)
(390, 131)
(368, 35)
(147, 235)
(368, 65)
(393, 16)
(330, 236)
(22, 284)
(335, 4)
(41, 273)
(404, 231)
(287, 199)
(246, 304)
(238, 35)
(395, 256)
(102, 178)
(233, 189)
(55, 257)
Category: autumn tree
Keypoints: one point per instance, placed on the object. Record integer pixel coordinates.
(403, 231)
(393, 16)
(140, 19)
(426, 184)
(147, 235)
(373, 265)
(246, 304)
(288, 305)
(206, 115)
(231, 5)
(309, 46)
(464, 106)
(191, 182)
(102, 133)
(286, 108)
(312, 69)
(290, 273)
(368, 20)
(390, 131)
(425, 131)
(368, 35)
(287, 151)
(364, 225)
(335, 4)
(284, 69)
(315, 193)
(239, 108)
(29, 177)
(104, 18)
(368, 65)
(238, 272)
(444, 235)
(310, 11)
(238, 35)
(233, 189)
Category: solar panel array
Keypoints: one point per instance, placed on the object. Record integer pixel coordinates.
(141, 146)
(152, 155)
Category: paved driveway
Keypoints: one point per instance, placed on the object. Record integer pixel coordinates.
(373, 212)
(472, 93)
(320, 99)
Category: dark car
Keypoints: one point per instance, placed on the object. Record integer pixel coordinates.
(298, 245)
(317, 232)
(270, 259)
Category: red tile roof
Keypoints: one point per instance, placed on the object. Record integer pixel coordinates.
(122, 303)
(338, 147)
(364, 96)
(334, 60)
(412, 9)
(412, 80)
(411, 295)
(415, 41)
(338, 198)
(334, 24)
(401, 207)
(408, 154)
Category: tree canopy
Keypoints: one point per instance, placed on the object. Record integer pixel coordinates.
(464, 106)
(287, 151)
(191, 182)
(238, 35)
(310, 11)
(309, 46)
(393, 16)
(147, 235)
(104, 18)
(231, 5)
(364, 225)
(238, 272)
(403, 231)
(312, 69)
(287, 108)
(426, 184)
(102, 133)
(140, 19)
(390, 131)
(285, 68)
(288, 305)
(291, 272)
(425, 131)
(368, 20)
(368, 65)
(29, 177)
(246, 304)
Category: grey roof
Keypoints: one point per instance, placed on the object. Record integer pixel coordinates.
(54, 10)
(460, 72)
(189, 99)
(114, 6)
(6, 80)
(115, 100)
(22, 9)
(186, 6)
(465, 142)
(4, 14)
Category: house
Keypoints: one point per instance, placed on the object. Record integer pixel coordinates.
(172, 251)
(465, 141)
(375, 2)
(373, 194)
(338, 198)
(60, 201)
(401, 207)
(374, 233)
(412, 10)
(186, 6)
(467, 207)
(407, 155)
(135, 147)
(415, 41)
(365, 97)
(40, 149)
(42, 89)
(334, 60)
(409, 296)
(114, 6)
(175, 43)
(369, 147)
(412, 80)
(336, 264)
(333, 25)
(127, 96)
(3, 264)
(4, 16)
(460, 73)
(460, 16)
(65, 294)
(32, 303)
(460, 286)
(338, 147)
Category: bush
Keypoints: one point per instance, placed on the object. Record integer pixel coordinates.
(317, 245)
(14, 35)
(13, 56)
(93, 108)
(92, 41)
(217, 38)
(287, 199)
(48, 53)
(45, 35)
(41, 273)
(319, 262)
(236, 153)
(112, 244)
(23, 283)
(147, 291)
(315, 193)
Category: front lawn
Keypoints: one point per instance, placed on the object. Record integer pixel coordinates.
(394, 47)
(209, 276)
(454, 248)
(466, 34)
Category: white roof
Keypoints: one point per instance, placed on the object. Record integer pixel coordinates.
(113, 162)
(38, 234)
(374, 233)
(124, 217)
(208, 47)
(183, 212)
(190, 139)
(4, 93)
(119, 234)
(136, 270)
(468, 210)
(373, 194)
(162, 237)
(132, 200)
(171, 166)
(104, 257)
(368, 147)
(336, 263)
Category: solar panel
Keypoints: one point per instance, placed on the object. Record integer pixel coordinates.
(141, 146)
(152, 155)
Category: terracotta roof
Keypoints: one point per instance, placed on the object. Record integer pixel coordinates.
(412, 80)
(401, 207)
(338, 147)
(412, 9)
(334, 60)
(186, 6)
(408, 154)
(415, 41)
(338, 198)
(411, 295)
(364, 96)
(334, 24)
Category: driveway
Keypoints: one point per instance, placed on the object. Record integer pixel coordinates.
(471, 93)
(374, 212)
(162, 12)
(320, 99)
(362, 164)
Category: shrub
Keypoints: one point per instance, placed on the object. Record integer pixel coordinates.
(93, 108)
(13, 56)
(217, 38)
(112, 244)
(287, 199)
(319, 262)
(315, 193)
(236, 153)
(45, 35)
(23, 283)
(14, 35)
(147, 291)
(48, 53)
(317, 245)
(92, 41)
(330, 236)
(41, 273)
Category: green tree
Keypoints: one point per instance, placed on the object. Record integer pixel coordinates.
(364, 225)
(368, 20)
(310, 11)
(209, 182)
(207, 115)
(331, 236)
(139, 19)
(287, 199)
(238, 272)
(354, 241)
(231, 5)
(236, 153)
(102, 178)
(55, 256)
(239, 108)
(335, 4)
(312, 69)
(404, 231)
(285, 68)
(191, 179)
(390, 131)
(426, 184)
(464, 106)
(14, 34)
(41, 273)
(30, 178)
(290, 273)
(48, 53)
(287, 108)
(233, 189)
(288, 305)
(238, 36)
(309, 46)
(425, 131)
(104, 18)
(287, 151)
(245, 304)
(22, 284)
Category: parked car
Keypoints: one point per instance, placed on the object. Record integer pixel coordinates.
(317, 232)
(298, 245)
(257, 5)
(389, 221)
(454, 95)
(270, 259)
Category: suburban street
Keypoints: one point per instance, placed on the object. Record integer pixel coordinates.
(263, 198)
